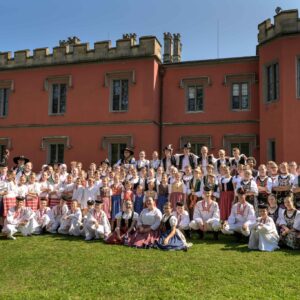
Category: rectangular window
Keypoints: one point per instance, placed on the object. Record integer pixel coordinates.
(271, 150)
(115, 152)
(120, 95)
(196, 148)
(244, 148)
(56, 153)
(58, 99)
(3, 102)
(194, 98)
(272, 76)
(2, 149)
(240, 96)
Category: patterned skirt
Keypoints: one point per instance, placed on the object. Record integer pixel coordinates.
(225, 203)
(176, 197)
(8, 202)
(32, 202)
(143, 239)
(115, 205)
(175, 242)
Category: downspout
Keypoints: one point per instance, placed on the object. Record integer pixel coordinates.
(161, 96)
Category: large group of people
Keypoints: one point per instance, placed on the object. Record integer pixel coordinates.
(157, 203)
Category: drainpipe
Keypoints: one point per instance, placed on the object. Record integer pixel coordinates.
(161, 95)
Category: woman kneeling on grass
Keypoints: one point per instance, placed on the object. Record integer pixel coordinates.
(147, 227)
(126, 222)
(170, 238)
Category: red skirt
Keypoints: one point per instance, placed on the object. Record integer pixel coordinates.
(53, 202)
(176, 197)
(226, 201)
(143, 239)
(113, 238)
(32, 202)
(8, 202)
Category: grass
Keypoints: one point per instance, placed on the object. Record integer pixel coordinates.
(61, 267)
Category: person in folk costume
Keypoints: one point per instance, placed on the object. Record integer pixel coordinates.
(296, 191)
(126, 223)
(3, 172)
(151, 178)
(289, 223)
(155, 163)
(177, 191)
(222, 160)
(10, 193)
(20, 162)
(54, 195)
(68, 188)
(162, 192)
(242, 217)
(272, 170)
(186, 159)
(170, 237)
(97, 225)
(273, 209)
(210, 180)
(27, 171)
(3, 190)
(135, 179)
(116, 198)
(169, 159)
(138, 199)
(42, 217)
(105, 164)
(237, 178)
(127, 158)
(98, 180)
(22, 188)
(104, 194)
(251, 163)
(150, 192)
(293, 168)
(143, 178)
(147, 227)
(226, 189)
(63, 173)
(237, 159)
(282, 186)
(58, 211)
(263, 236)
(90, 206)
(127, 194)
(19, 219)
(205, 159)
(171, 176)
(142, 161)
(187, 176)
(206, 215)
(194, 193)
(249, 185)
(45, 185)
(159, 173)
(90, 193)
(51, 173)
(71, 221)
(183, 219)
(78, 191)
(33, 191)
(264, 185)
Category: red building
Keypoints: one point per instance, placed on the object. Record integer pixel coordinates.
(87, 104)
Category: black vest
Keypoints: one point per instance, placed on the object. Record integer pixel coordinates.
(191, 160)
(123, 222)
(209, 160)
(173, 162)
(227, 163)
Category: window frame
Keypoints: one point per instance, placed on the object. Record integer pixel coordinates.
(51, 113)
(230, 139)
(206, 140)
(2, 116)
(195, 86)
(57, 153)
(266, 82)
(269, 149)
(240, 83)
(112, 94)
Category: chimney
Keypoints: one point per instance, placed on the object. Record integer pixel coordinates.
(131, 37)
(168, 47)
(177, 48)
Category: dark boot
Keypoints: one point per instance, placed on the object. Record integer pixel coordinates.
(201, 234)
(216, 235)
(187, 233)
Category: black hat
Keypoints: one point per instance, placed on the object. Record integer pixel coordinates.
(179, 204)
(64, 197)
(187, 145)
(20, 198)
(90, 202)
(241, 191)
(21, 157)
(207, 189)
(106, 161)
(169, 147)
(262, 206)
(129, 150)
(98, 201)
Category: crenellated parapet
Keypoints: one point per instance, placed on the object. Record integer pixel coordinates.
(285, 22)
(148, 46)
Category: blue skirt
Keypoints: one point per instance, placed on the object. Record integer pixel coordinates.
(161, 201)
(115, 205)
(139, 204)
(175, 242)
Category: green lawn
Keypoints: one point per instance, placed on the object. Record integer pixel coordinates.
(58, 267)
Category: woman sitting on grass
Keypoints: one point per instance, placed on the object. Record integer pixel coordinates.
(126, 222)
(289, 222)
(170, 238)
(147, 226)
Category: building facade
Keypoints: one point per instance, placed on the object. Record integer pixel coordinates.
(84, 104)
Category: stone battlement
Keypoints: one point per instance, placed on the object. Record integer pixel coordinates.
(285, 22)
(148, 46)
